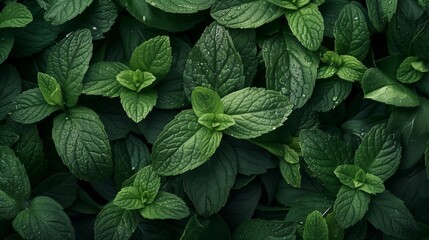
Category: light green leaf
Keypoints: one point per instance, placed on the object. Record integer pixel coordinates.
(351, 32)
(256, 229)
(326, 71)
(290, 4)
(291, 173)
(307, 25)
(61, 11)
(154, 56)
(214, 63)
(218, 121)
(15, 15)
(205, 100)
(101, 79)
(30, 107)
(350, 206)
(10, 87)
(181, 6)
(389, 214)
(332, 58)
(255, 111)
(166, 206)
(51, 89)
(244, 13)
(7, 39)
(183, 145)
(323, 153)
(68, 62)
(350, 175)
(209, 185)
(379, 87)
(373, 184)
(315, 227)
(82, 143)
(137, 105)
(406, 73)
(129, 198)
(115, 223)
(420, 66)
(379, 153)
(44, 219)
(135, 80)
(290, 68)
(351, 69)
(148, 183)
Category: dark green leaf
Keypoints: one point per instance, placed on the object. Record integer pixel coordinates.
(10, 87)
(61, 187)
(315, 227)
(165, 206)
(288, 4)
(407, 73)
(350, 206)
(7, 40)
(263, 229)
(15, 15)
(291, 173)
(137, 105)
(101, 79)
(61, 11)
(181, 6)
(8, 136)
(329, 93)
(115, 223)
(336, 232)
(195, 228)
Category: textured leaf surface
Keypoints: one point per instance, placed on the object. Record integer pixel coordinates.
(329, 93)
(181, 6)
(15, 15)
(51, 89)
(315, 227)
(115, 223)
(68, 63)
(166, 206)
(351, 69)
(7, 39)
(137, 105)
(148, 183)
(263, 229)
(214, 63)
(350, 206)
(244, 13)
(82, 143)
(205, 101)
(61, 11)
(184, 144)
(406, 73)
(129, 198)
(10, 87)
(101, 79)
(255, 111)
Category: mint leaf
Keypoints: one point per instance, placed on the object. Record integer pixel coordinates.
(255, 229)
(214, 63)
(329, 93)
(51, 89)
(288, 4)
(148, 183)
(9, 207)
(291, 69)
(68, 62)
(8, 136)
(245, 13)
(350, 175)
(10, 87)
(218, 121)
(44, 219)
(101, 79)
(137, 105)
(373, 184)
(379, 87)
(291, 173)
(326, 71)
(389, 214)
(323, 153)
(351, 69)
(15, 15)
(129, 198)
(30, 107)
(307, 25)
(350, 206)
(336, 232)
(61, 11)
(379, 153)
(181, 6)
(195, 228)
(380, 12)
(184, 144)
(315, 227)
(406, 73)
(7, 38)
(165, 206)
(209, 185)
(135, 80)
(115, 223)
(351, 32)
(82, 143)
(205, 101)
(255, 111)
(154, 56)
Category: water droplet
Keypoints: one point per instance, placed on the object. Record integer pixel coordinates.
(334, 98)
(94, 28)
(144, 18)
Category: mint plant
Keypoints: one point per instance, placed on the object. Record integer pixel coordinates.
(215, 119)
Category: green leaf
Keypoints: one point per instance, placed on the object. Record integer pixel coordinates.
(307, 25)
(380, 12)
(291, 69)
(7, 39)
(329, 93)
(15, 15)
(244, 13)
(82, 143)
(420, 66)
(183, 145)
(336, 232)
(101, 79)
(135, 80)
(255, 111)
(165, 206)
(31, 107)
(129, 198)
(68, 62)
(245, 43)
(350, 206)
(115, 223)
(61, 11)
(44, 219)
(255, 229)
(290, 4)
(8, 136)
(350, 175)
(148, 183)
(379, 87)
(379, 153)
(137, 105)
(323, 153)
(291, 172)
(389, 214)
(195, 228)
(181, 6)
(209, 185)
(373, 184)
(388, 8)
(351, 32)
(406, 73)
(51, 89)
(214, 63)
(205, 101)
(154, 56)
(326, 71)
(351, 69)
(10, 87)
(9, 207)
(315, 227)
(218, 121)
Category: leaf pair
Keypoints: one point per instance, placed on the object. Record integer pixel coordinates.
(346, 67)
